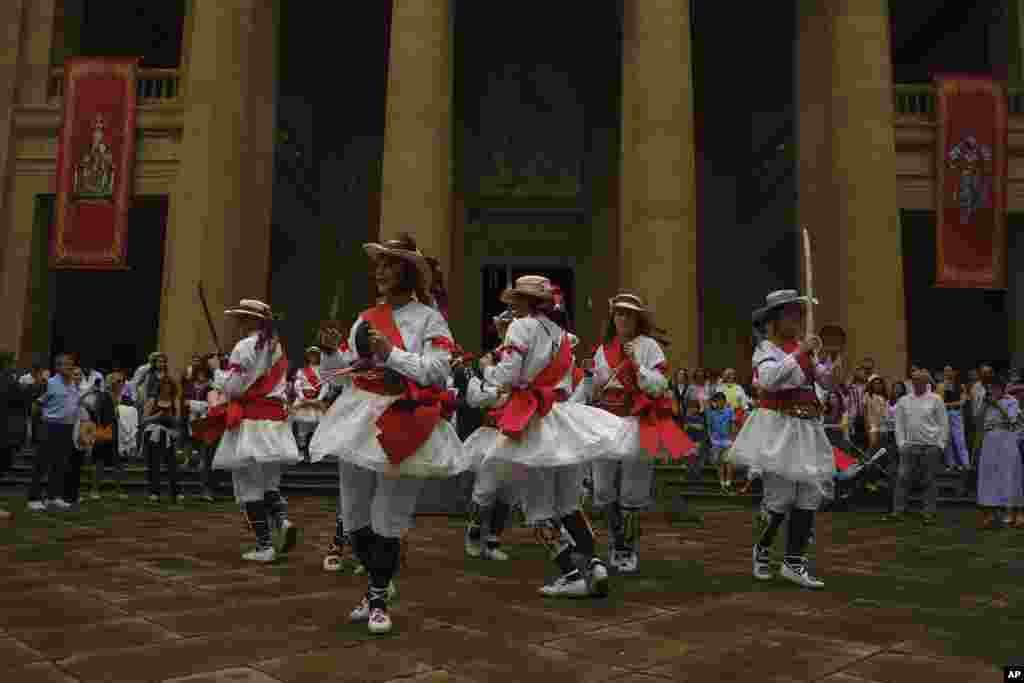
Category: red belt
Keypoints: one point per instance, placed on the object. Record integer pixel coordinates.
(513, 417)
(614, 401)
(407, 423)
(657, 428)
(228, 416)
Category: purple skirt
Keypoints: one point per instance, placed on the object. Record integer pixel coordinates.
(999, 470)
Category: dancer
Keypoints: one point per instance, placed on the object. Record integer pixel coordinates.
(310, 393)
(551, 437)
(631, 376)
(256, 440)
(784, 441)
(999, 463)
(492, 498)
(388, 429)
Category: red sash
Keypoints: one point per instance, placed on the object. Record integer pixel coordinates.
(657, 428)
(403, 431)
(536, 399)
(252, 405)
(577, 377)
(311, 377)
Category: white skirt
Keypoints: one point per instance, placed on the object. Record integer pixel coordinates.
(793, 448)
(256, 441)
(570, 434)
(349, 432)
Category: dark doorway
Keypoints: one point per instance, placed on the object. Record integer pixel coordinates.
(111, 318)
(497, 277)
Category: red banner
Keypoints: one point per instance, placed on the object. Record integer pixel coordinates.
(95, 164)
(970, 189)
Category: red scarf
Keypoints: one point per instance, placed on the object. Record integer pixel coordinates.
(402, 431)
(310, 374)
(657, 428)
(252, 405)
(536, 399)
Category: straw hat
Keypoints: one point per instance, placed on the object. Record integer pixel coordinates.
(403, 248)
(251, 308)
(631, 302)
(778, 299)
(534, 286)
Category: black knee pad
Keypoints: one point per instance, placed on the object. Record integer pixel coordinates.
(363, 541)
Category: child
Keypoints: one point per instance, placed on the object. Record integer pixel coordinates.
(696, 429)
(721, 428)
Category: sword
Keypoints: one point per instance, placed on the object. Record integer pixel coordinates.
(809, 283)
(209, 319)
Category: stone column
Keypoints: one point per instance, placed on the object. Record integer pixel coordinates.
(416, 179)
(658, 219)
(866, 218)
(219, 216)
(37, 41)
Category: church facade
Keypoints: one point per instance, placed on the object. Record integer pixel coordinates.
(667, 147)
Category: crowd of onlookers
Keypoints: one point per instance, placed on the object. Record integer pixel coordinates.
(77, 416)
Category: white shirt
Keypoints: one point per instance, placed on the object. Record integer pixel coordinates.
(922, 421)
(532, 342)
(247, 365)
(423, 361)
(776, 370)
(127, 428)
(649, 378)
(89, 382)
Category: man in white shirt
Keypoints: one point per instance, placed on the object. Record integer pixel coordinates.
(922, 431)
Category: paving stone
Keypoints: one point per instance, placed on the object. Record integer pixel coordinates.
(529, 663)
(40, 672)
(111, 635)
(894, 668)
(14, 653)
(628, 648)
(54, 606)
(363, 662)
(226, 676)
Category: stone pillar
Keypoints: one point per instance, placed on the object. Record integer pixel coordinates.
(867, 219)
(846, 175)
(218, 227)
(416, 193)
(657, 218)
(37, 42)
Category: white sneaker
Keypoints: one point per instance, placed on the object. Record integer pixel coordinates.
(392, 590)
(180, 498)
(153, 498)
(37, 506)
(566, 588)
(361, 612)
(289, 536)
(379, 621)
(629, 563)
(260, 555)
(800, 576)
(762, 565)
(493, 554)
(95, 495)
(60, 504)
(598, 578)
(360, 569)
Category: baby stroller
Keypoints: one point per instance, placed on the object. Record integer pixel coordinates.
(856, 471)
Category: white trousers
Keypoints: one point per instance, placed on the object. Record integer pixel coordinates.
(633, 492)
(489, 486)
(368, 498)
(252, 481)
(551, 492)
(781, 494)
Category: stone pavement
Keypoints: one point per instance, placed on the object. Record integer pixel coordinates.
(162, 595)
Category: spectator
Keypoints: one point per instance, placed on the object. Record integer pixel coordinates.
(954, 395)
(977, 394)
(679, 388)
(159, 427)
(101, 407)
(91, 379)
(195, 406)
(855, 393)
(699, 389)
(869, 366)
(735, 396)
(909, 381)
(721, 421)
(127, 429)
(999, 463)
(15, 402)
(922, 430)
(59, 407)
(876, 411)
(82, 435)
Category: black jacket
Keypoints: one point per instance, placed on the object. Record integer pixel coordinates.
(16, 403)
